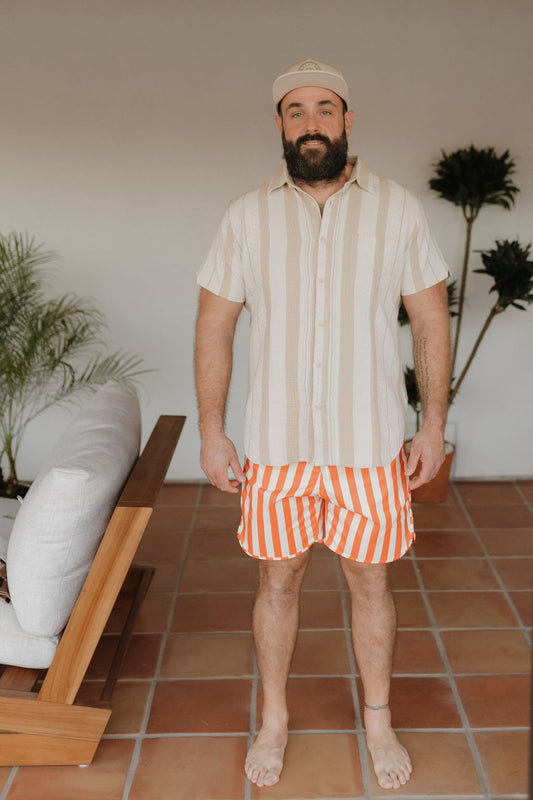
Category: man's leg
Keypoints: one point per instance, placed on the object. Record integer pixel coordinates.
(373, 635)
(275, 626)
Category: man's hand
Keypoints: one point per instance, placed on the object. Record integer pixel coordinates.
(425, 458)
(217, 456)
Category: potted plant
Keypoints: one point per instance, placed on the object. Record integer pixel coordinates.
(473, 178)
(50, 349)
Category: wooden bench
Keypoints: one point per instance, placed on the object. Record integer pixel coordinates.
(47, 726)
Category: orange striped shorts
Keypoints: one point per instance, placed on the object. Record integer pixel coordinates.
(361, 514)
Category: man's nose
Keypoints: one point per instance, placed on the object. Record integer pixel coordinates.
(311, 125)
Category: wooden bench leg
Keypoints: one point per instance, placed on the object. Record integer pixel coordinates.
(142, 577)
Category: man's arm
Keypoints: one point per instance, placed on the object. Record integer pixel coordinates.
(215, 331)
(430, 326)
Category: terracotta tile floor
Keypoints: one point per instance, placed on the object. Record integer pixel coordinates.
(188, 697)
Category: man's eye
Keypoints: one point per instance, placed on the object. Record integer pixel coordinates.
(326, 112)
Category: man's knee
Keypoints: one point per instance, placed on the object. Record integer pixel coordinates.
(366, 580)
(283, 577)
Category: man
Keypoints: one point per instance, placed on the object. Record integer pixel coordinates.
(321, 255)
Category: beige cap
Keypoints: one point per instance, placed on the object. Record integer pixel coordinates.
(310, 72)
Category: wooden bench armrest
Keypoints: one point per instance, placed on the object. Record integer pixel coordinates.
(149, 472)
(111, 563)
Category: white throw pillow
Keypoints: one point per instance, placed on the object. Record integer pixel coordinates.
(21, 649)
(59, 526)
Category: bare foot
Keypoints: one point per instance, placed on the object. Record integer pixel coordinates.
(264, 761)
(392, 764)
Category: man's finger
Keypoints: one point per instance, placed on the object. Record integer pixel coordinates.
(427, 473)
(412, 462)
(235, 465)
(419, 480)
(223, 483)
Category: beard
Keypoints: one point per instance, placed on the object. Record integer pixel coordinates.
(310, 165)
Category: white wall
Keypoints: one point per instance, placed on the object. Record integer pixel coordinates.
(126, 127)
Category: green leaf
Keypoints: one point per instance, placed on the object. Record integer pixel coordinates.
(413, 395)
(472, 178)
(509, 266)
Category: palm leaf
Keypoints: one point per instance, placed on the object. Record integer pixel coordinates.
(50, 350)
(472, 178)
(509, 266)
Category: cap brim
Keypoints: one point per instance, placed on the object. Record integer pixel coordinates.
(297, 80)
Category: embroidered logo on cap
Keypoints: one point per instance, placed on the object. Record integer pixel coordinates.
(309, 65)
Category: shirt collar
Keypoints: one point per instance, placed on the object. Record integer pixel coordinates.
(361, 175)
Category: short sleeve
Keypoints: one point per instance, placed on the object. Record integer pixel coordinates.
(424, 264)
(222, 270)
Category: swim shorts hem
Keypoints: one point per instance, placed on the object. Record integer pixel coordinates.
(301, 552)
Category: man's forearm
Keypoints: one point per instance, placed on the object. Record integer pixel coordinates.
(214, 362)
(215, 331)
(430, 326)
(432, 369)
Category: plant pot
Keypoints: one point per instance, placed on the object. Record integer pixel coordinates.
(20, 490)
(435, 491)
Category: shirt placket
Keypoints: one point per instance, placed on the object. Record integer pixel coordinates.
(320, 331)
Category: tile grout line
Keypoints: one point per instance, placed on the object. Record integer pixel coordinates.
(522, 495)
(253, 723)
(306, 675)
(363, 756)
(9, 783)
(450, 675)
(421, 797)
(140, 736)
(488, 558)
(305, 731)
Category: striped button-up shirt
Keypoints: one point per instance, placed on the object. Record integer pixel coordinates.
(325, 380)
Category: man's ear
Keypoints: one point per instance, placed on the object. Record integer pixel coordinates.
(279, 123)
(349, 117)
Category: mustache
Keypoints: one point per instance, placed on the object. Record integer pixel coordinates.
(312, 137)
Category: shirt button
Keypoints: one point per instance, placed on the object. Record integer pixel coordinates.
(318, 407)
(321, 280)
(318, 364)
(320, 324)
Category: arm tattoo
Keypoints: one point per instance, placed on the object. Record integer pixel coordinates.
(422, 369)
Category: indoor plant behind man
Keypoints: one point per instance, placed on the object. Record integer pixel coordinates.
(321, 255)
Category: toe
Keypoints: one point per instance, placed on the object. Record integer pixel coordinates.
(395, 780)
(252, 773)
(270, 778)
(385, 781)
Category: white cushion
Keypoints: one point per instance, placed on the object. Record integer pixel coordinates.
(21, 649)
(8, 511)
(59, 526)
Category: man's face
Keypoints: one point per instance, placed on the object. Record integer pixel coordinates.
(314, 130)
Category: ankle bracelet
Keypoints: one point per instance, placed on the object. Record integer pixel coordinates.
(376, 708)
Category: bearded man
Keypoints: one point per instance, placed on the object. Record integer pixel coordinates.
(322, 255)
